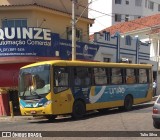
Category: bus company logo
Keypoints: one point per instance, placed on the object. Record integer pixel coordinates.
(118, 90)
(95, 98)
(35, 105)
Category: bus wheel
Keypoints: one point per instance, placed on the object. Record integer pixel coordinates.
(50, 117)
(79, 110)
(128, 102)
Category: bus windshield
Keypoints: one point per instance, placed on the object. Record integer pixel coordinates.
(34, 82)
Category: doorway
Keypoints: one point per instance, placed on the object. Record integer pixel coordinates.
(13, 96)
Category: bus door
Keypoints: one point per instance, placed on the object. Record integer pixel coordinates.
(62, 99)
(81, 83)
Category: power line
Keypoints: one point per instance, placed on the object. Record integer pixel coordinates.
(95, 10)
(104, 14)
(85, 7)
(82, 13)
(98, 21)
(63, 5)
(114, 16)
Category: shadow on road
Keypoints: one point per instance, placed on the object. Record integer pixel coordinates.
(142, 108)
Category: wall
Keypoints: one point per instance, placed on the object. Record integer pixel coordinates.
(9, 74)
(130, 9)
(136, 52)
(106, 8)
(147, 11)
(64, 5)
(36, 17)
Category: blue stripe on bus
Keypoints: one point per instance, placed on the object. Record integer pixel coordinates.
(110, 93)
(39, 103)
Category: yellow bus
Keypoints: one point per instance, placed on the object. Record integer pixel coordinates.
(51, 88)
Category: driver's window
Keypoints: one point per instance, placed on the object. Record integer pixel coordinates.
(60, 79)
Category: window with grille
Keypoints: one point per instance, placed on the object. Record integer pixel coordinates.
(136, 16)
(146, 3)
(151, 5)
(138, 3)
(107, 59)
(78, 34)
(14, 23)
(126, 17)
(117, 17)
(158, 7)
(127, 2)
(118, 1)
(128, 40)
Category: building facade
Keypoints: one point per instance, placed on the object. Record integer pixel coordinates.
(111, 12)
(147, 30)
(118, 49)
(37, 30)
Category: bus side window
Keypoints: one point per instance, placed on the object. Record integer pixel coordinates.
(60, 79)
(100, 76)
(88, 77)
(77, 76)
(143, 76)
(82, 76)
(130, 76)
(116, 76)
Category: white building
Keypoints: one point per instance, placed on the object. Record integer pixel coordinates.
(147, 29)
(116, 48)
(110, 12)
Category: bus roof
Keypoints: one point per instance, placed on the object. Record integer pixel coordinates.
(87, 64)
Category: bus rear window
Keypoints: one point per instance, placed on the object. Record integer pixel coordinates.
(142, 76)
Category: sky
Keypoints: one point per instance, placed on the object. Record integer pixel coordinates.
(101, 21)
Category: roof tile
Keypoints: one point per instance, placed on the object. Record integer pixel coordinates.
(140, 23)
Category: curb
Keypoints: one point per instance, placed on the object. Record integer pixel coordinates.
(15, 118)
(154, 98)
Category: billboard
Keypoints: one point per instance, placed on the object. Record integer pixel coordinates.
(40, 42)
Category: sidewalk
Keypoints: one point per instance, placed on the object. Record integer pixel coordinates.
(15, 118)
(154, 98)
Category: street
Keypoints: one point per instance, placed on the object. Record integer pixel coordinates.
(138, 119)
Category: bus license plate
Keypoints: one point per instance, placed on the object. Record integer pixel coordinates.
(33, 112)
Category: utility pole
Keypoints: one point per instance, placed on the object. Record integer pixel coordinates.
(73, 31)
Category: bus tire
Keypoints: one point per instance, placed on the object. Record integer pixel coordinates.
(51, 117)
(79, 109)
(128, 102)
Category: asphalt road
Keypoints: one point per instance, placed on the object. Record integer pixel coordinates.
(138, 120)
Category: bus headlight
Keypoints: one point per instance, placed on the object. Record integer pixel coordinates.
(21, 106)
(47, 103)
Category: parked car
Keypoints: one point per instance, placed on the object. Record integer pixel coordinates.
(156, 113)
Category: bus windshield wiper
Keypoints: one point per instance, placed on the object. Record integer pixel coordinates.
(35, 93)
